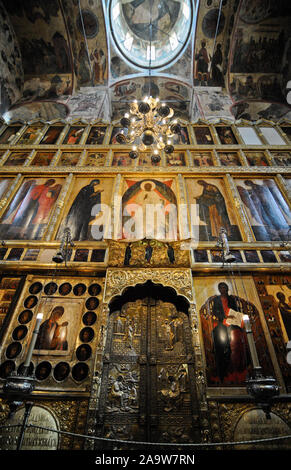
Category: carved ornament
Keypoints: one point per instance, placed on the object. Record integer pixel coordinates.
(118, 279)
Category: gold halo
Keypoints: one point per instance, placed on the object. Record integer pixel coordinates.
(142, 186)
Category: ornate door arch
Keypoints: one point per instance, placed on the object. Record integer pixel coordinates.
(148, 390)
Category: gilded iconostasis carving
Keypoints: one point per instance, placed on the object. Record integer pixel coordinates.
(142, 299)
(63, 355)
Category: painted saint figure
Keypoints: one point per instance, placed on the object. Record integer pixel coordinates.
(98, 65)
(29, 209)
(226, 135)
(74, 136)
(79, 215)
(53, 335)
(217, 73)
(285, 311)
(229, 338)
(269, 213)
(202, 63)
(149, 209)
(212, 209)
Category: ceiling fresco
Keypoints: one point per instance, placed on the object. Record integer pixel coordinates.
(174, 92)
(44, 110)
(11, 71)
(45, 48)
(91, 55)
(233, 61)
(259, 64)
(150, 33)
(62, 44)
(214, 25)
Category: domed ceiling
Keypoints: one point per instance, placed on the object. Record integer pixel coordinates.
(90, 58)
(150, 33)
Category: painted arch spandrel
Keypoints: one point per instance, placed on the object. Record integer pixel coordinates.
(29, 212)
(87, 212)
(267, 210)
(209, 201)
(221, 303)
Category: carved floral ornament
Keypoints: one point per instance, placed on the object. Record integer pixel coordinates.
(119, 279)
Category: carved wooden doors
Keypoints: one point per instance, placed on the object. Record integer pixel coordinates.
(148, 388)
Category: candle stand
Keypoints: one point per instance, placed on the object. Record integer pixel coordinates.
(18, 387)
(262, 389)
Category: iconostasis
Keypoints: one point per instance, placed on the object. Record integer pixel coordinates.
(57, 175)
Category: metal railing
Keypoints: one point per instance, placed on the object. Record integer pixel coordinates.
(126, 443)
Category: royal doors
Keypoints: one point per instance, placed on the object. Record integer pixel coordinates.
(148, 388)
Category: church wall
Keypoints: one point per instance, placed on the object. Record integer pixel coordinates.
(44, 43)
(239, 184)
(258, 89)
(11, 72)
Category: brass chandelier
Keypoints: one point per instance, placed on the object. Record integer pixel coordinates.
(149, 125)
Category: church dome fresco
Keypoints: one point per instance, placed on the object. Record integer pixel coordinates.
(151, 33)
